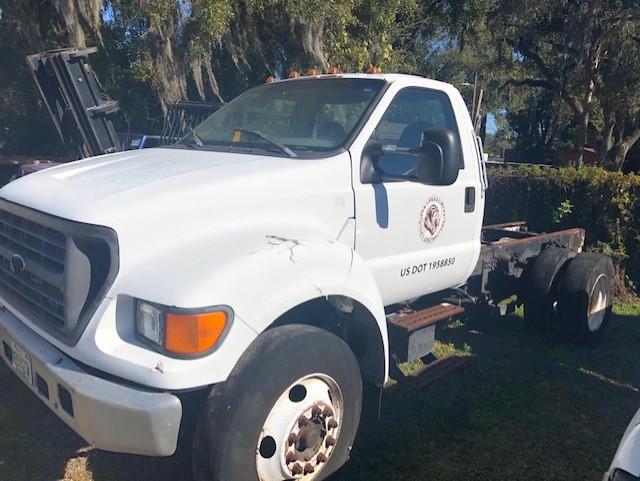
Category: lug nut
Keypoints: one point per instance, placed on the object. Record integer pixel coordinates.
(321, 458)
(316, 411)
(291, 458)
(330, 441)
(302, 421)
(293, 438)
(328, 412)
(332, 424)
(308, 469)
(297, 469)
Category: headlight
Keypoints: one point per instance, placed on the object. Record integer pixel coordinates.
(183, 332)
(150, 322)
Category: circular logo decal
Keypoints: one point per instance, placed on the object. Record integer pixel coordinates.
(17, 264)
(432, 219)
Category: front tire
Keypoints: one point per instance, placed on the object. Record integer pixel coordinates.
(289, 410)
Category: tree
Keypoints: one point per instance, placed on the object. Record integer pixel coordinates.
(562, 46)
(24, 126)
(558, 71)
(620, 97)
(541, 123)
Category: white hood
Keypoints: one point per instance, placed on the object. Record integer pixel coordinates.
(76, 190)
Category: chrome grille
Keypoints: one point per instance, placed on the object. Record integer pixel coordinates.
(32, 265)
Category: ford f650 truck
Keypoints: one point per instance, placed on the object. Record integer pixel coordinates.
(253, 275)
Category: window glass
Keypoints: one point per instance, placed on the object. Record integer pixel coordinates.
(306, 115)
(411, 112)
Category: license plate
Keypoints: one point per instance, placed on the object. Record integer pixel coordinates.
(21, 363)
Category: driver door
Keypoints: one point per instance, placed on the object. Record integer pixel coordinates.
(416, 238)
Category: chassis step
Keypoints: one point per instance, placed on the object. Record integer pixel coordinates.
(411, 336)
(425, 317)
(434, 371)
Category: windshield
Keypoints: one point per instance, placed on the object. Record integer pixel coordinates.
(288, 118)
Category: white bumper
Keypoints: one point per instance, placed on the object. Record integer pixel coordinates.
(108, 415)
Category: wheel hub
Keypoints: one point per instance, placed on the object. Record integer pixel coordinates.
(301, 431)
(598, 303)
(309, 440)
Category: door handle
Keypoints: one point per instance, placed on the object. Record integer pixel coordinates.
(469, 199)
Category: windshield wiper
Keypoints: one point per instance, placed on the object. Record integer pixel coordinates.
(282, 148)
(193, 141)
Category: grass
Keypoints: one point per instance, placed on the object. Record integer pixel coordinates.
(525, 407)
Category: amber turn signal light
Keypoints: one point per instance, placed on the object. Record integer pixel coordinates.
(193, 334)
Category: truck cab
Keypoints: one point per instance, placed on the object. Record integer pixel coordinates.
(259, 262)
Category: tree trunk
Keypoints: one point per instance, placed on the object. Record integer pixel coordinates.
(591, 40)
(622, 150)
(625, 146)
(582, 136)
(80, 17)
(607, 138)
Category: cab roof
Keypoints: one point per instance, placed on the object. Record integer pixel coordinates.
(406, 79)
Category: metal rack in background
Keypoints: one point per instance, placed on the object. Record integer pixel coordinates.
(79, 109)
(183, 116)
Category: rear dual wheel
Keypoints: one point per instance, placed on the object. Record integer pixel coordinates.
(540, 284)
(573, 294)
(290, 410)
(585, 297)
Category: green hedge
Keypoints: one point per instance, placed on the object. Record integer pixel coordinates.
(606, 204)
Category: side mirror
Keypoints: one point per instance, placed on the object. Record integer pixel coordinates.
(435, 162)
(369, 171)
(439, 157)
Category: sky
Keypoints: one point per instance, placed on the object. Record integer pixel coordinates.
(107, 12)
(492, 126)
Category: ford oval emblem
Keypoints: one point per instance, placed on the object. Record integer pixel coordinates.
(17, 263)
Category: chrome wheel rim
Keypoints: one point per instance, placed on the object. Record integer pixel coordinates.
(301, 431)
(598, 303)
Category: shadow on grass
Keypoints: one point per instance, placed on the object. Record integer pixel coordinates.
(525, 407)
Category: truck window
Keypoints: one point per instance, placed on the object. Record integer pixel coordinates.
(308, 116)
(411, 112)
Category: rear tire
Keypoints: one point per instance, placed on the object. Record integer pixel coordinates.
(252, 426)
(585, 298)
(540, 283)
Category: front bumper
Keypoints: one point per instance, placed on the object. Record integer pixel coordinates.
(108, 415)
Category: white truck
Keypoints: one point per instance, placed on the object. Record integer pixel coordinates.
(626, 462)
(252, 276)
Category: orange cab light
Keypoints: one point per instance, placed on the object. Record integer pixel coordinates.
(192, 334)
(373, 69)
(333, 71)
(312, 71)
(270, 79)
(294, 74)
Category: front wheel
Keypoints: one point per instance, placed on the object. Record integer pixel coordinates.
(289, 410)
